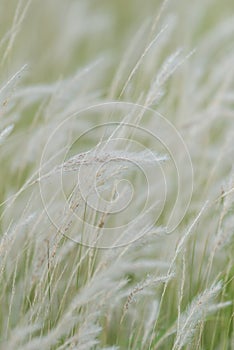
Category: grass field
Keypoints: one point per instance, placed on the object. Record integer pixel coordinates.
(116, 175)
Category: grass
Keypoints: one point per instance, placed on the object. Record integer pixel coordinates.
(116, 181)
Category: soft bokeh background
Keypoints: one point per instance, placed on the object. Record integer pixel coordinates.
(56, 37)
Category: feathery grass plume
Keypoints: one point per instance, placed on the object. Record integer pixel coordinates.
(142, 157)
(150, 281)
(20, 335)
(196, 313)
(8, 89)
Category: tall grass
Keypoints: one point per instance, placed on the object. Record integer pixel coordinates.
(116, 181)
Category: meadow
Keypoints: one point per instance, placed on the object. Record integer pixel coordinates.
(116, 175)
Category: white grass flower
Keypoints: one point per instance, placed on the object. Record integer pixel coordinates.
(195, 314)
